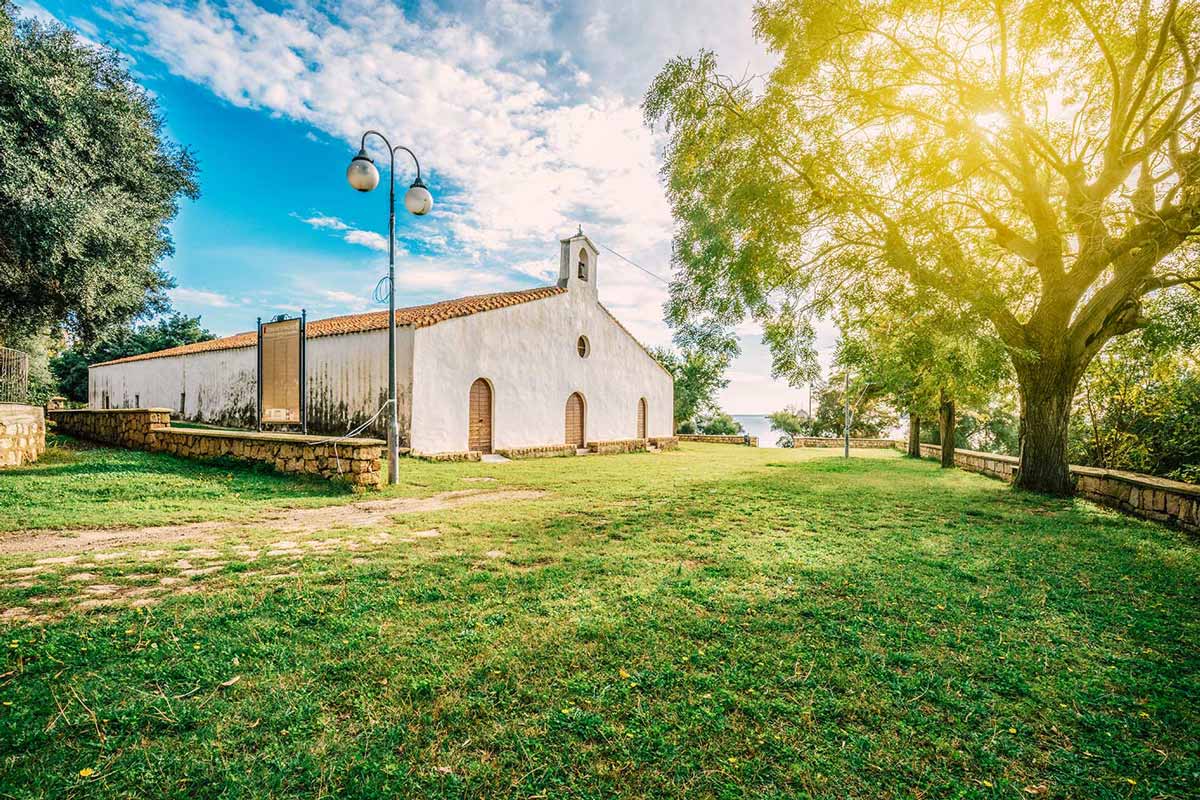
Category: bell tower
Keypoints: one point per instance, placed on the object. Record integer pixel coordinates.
(577, 265)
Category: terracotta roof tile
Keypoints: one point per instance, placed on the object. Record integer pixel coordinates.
(416, 316)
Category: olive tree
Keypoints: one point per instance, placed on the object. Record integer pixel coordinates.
(88, 185)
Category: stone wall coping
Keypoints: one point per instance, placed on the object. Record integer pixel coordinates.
(980, 454)
(1150, 481)
(266, 436)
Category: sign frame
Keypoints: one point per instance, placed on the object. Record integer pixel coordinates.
(302, 377)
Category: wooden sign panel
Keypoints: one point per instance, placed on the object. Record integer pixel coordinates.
(281, 372)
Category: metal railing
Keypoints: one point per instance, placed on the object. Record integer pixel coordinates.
(14, 376)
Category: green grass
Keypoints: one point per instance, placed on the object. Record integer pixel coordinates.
(717, 622)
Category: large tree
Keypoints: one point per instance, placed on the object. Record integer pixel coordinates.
(88, 184)
(1035, 160)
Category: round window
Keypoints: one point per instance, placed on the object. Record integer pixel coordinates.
(583, 346)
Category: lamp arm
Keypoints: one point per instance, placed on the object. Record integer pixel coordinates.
(391, 150)
(411, 153)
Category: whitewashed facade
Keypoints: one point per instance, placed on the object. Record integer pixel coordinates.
(527, 350)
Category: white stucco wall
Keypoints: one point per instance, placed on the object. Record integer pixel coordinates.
(216, 386)
(347, 380)
(528, 353)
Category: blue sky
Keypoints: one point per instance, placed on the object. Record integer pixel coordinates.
(525, 114)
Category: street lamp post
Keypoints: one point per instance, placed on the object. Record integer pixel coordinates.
(364, 177)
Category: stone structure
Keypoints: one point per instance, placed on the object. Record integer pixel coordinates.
(716, 439)
(121, 427)
(664, 442)
(829, 441)
(1172, 502)
(528, 369)
(22, 434)
(354, 461)
(549, 451)
(462, 455)
(618, 446)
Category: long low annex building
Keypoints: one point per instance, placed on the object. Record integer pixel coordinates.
(532, 368)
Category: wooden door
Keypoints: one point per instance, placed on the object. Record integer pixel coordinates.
(479, 429)
(575, 414)
(641, 419)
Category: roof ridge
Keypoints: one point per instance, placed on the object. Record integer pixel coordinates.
(419, 316)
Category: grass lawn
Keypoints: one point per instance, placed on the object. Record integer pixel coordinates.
(716, 622)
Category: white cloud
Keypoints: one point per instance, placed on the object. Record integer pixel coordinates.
(199, 297)
(367, 239)
(28, 8)
(530, 163)
(322, 221)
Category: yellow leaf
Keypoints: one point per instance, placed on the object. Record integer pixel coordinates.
(1010, 730)
(87, 772)
(622, 671)
(988, 784)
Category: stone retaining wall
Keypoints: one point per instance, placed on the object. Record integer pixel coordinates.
(22, 434)
(123, 427)
(994, 465)
(461, 455)
(664, 442)
(354, 461)
(829, 441)
(545, 451)
(716, 439)
(1172, 502)
(613, 446)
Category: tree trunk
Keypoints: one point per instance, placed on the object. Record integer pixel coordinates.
(1047, 392)
(946, 424)
(914, 435)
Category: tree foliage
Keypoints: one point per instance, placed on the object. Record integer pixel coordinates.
(719, 423)
(88, 184)
(1139, 405)
(1034, 161)
(919, 351)
(704, 352)
(871, 414)
(70, 367)
(791, 422)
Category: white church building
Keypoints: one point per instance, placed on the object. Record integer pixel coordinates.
(531, 368)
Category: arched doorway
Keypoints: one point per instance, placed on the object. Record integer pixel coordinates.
(641, 419)
(575, 420)
(479, 425)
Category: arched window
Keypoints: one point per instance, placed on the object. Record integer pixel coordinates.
(583, 265)
(641, 419)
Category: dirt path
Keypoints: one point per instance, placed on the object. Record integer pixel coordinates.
(363, 514)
